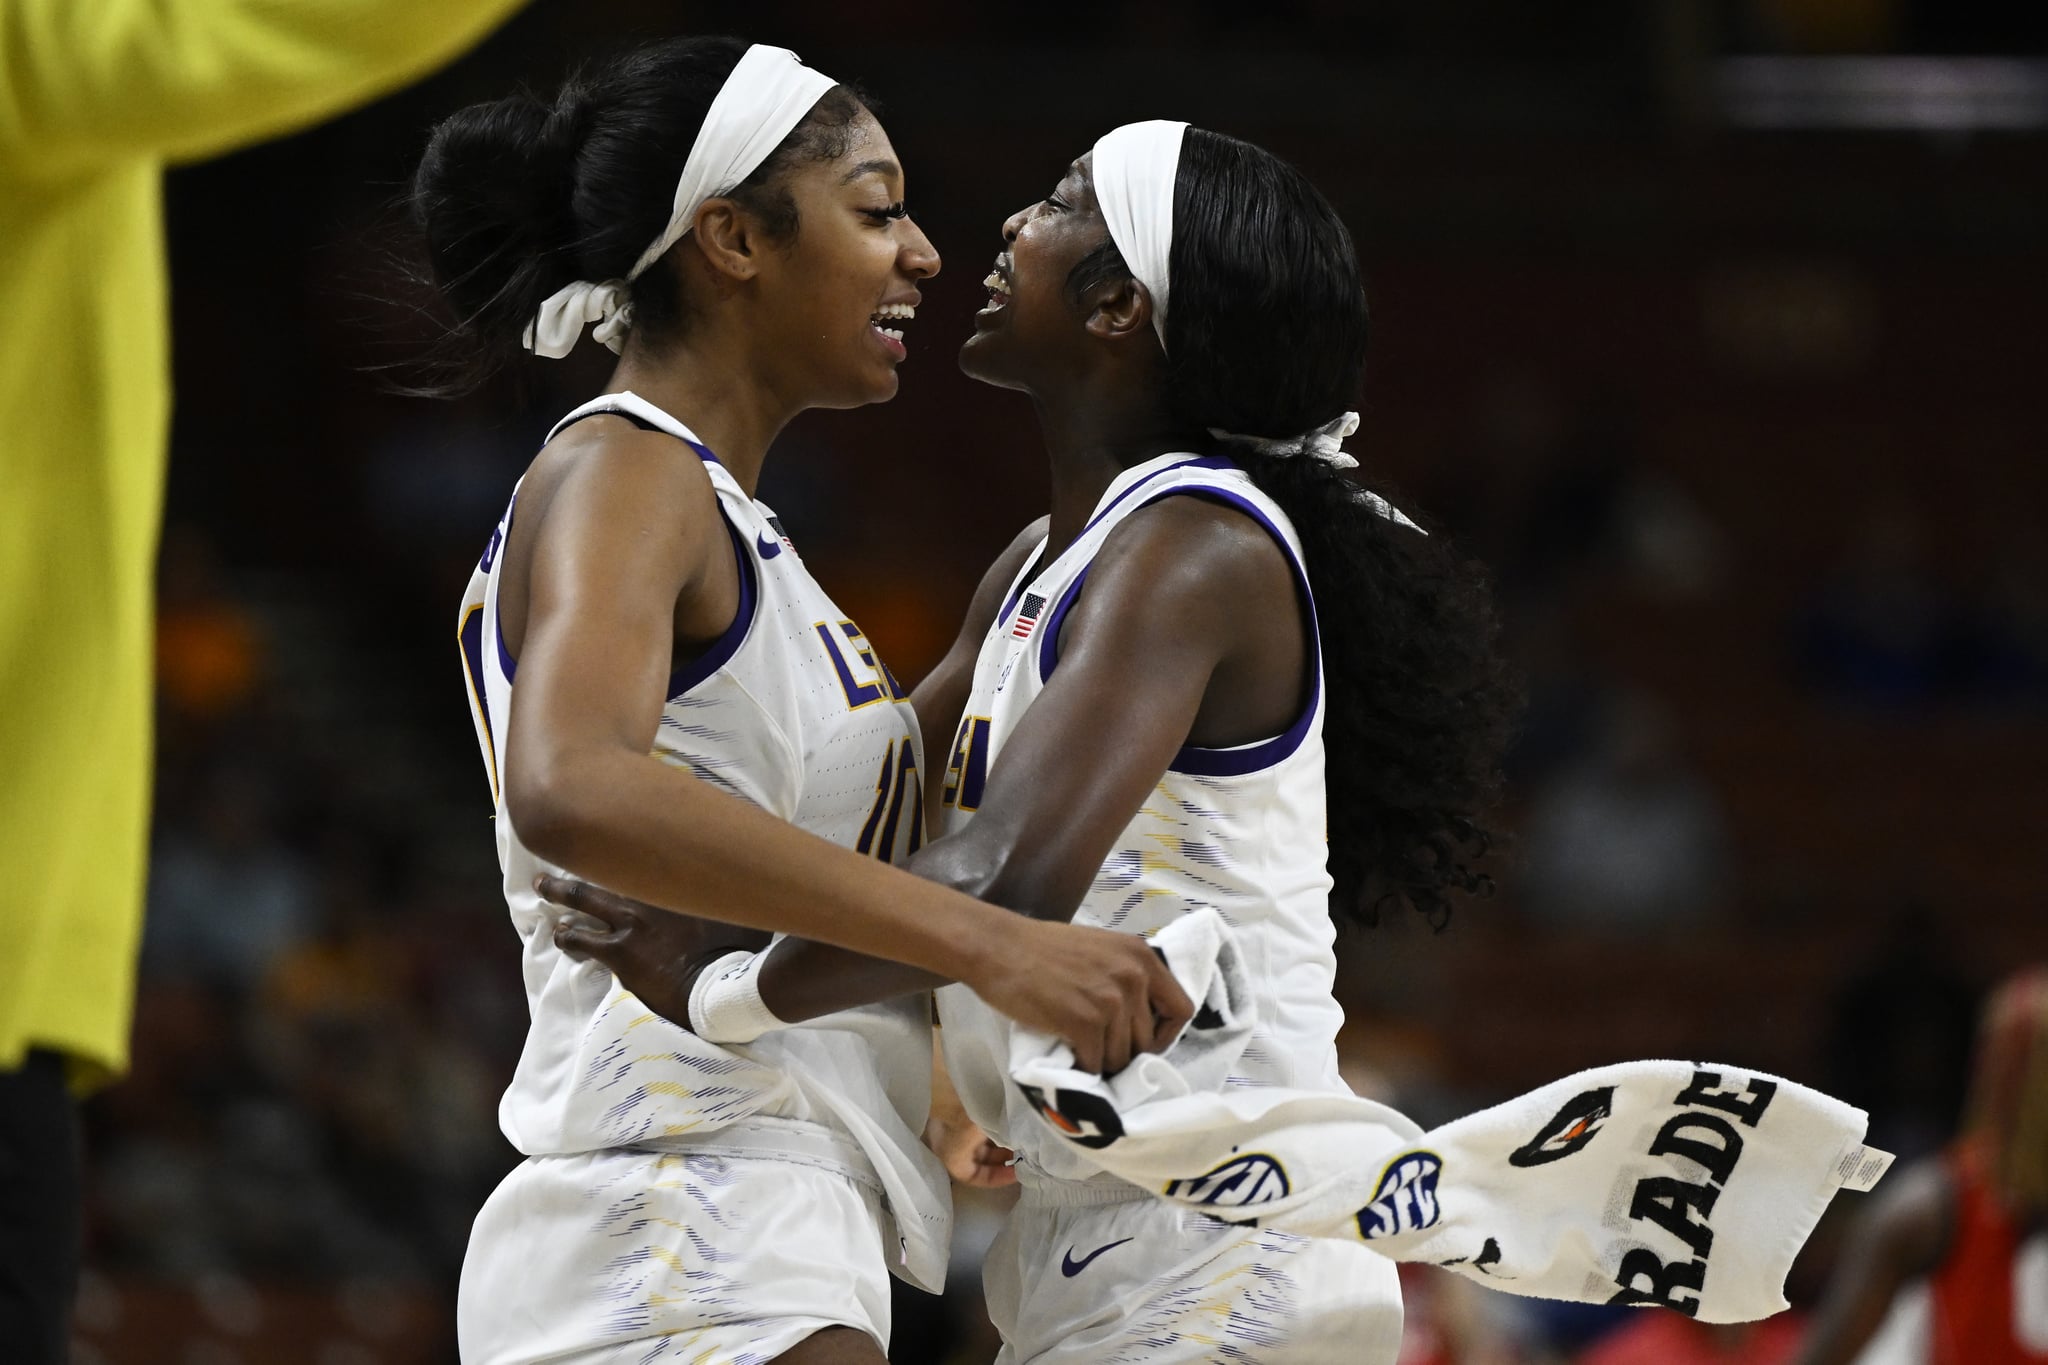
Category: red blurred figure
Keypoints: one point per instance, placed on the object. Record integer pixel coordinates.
(1957, 1246)
(1660, 1337)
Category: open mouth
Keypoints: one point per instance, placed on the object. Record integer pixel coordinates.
(998, 286)
(892, 312)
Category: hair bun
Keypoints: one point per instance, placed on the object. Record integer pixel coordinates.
(504, 170)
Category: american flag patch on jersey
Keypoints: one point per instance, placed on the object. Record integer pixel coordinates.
(1027, 616)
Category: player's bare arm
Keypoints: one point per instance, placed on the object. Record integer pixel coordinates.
(1904, 1234)
(609, 579)
(658, 954)
(1189, 631)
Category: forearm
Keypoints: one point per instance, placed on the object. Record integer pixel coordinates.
(803, 979)
(1846, 1321)
(1105, 994)
(1904, 1235)
(659, 835)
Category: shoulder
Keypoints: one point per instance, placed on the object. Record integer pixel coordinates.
(1189, 577)
(607, 467)
(611, 450)
(611, 498)
(1187, 542)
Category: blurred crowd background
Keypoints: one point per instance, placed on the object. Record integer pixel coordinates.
(1712, 326)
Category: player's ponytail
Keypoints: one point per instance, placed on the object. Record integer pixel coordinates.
(492, 202)
(515, 198)
(1266, 336)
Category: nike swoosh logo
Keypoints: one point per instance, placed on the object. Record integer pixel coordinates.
(1070, 1267)
(768, 548)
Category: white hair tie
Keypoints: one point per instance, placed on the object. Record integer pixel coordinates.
(1325, 443)
(767, 95)
(570, 309)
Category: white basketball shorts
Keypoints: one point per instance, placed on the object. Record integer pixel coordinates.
(1094, 1274)
(618, 1257)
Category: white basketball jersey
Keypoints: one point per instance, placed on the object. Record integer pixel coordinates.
(791, 710)
(1242, 830)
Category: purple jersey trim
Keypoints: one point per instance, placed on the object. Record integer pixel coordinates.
(1049, 642)
(1066, 600)
(1192, 759)
(1201, 462)
(505, 661)
(725, 646)
(1250, 758)
(472, 637)
(1031, 565)
(609, 410)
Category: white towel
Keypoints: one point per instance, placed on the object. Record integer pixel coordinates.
(1691, 1186)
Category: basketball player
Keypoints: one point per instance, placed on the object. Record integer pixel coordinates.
(1957, 1247)
(733, 224)
(1216, 649)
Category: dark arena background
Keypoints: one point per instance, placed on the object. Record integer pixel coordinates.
(1713, 328)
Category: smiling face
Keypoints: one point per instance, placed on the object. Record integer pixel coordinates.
(1032, 327)
(834, 300)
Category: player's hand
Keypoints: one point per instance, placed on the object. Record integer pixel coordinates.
(972, 1157)
(1107, 995)
(655, 953)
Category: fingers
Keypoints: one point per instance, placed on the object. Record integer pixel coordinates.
(579, 940)
(1088, 1048)
(992, 1168)
(1150, 1033)
(586, 899)
(1116, 1051)
(1135, 1029)
(1171, 1007)
(1144, 1029)
(970, 1155)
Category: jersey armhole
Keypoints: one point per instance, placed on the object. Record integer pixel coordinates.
(716, 654)
(1240, 759)
(720, 651)
(499, 544)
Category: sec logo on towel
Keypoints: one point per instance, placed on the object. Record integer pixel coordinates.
(1253, 1178)
(1405, 1200)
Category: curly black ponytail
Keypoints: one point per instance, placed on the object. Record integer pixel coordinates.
(1419, 702)
(515, 198)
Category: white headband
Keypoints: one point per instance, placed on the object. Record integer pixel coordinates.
(767, 95)
(1135, 166)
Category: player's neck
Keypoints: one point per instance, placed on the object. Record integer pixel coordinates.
(717, 392)
(1087, 445)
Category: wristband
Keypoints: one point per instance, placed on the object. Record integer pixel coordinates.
(726, 1004)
